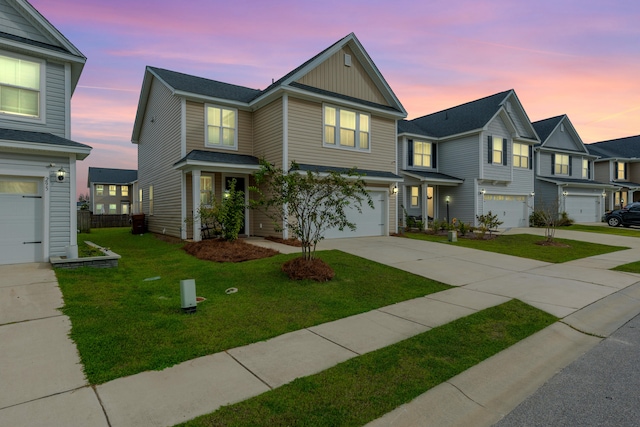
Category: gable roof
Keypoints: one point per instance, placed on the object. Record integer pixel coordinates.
(41, 141)
(59, 46)
(624, 148)
(469, 117)
(545, 128)
(111, 176)
(206, 89)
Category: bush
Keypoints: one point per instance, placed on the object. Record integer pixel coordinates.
(488, 222)
(537, 219)
(564, 220)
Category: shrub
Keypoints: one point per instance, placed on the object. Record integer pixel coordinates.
(488, 222)
(564, 220)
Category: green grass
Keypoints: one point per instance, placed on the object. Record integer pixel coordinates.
(124, 325)
(362, 389)
(85, 250)
(618, 231)
(633, 267)
(524, 245)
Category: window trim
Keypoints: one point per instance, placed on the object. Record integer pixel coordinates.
(150, 196)
(206, 127)
(357, 130)
(414, 196)
(560, 171)
(115, 190)
(124, 208)
(586, 169)
(617, 171)
(523, 148)
(124, 190)
(99, 190)
(213, 192)
(492, 151)
(41, 117)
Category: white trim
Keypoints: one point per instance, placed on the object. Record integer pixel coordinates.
(207, 144)
(42, 90)
(183, 127)
(45, 148)
(189, 165)
(285, 132)
(183, 204)
(67, 100)
(356, 142)
(73, 227)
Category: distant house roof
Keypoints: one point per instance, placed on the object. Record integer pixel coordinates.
(463, 118)
(625, 148)
(111, 176)
(44, 141)
(545, 127)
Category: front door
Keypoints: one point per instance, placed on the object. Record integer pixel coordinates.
(240, 186)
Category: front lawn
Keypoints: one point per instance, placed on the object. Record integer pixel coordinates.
(128, 319)
(632, 267)
(525, 246)
(364, 388)
(618, 231)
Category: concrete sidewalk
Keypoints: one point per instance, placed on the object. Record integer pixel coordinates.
(590, 299)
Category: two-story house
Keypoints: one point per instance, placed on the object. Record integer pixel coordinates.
(194, 135)
(468, 160)
(618, 163)
(565, 173)
(111, 190)
(39, 71)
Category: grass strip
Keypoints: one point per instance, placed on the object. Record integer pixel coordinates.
(526, 246)
(617, 231)
(632, 267)
(123, 324)
(362, 389)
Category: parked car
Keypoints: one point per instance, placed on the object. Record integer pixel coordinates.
(627, 216)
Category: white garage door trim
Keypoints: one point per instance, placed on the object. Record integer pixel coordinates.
(582, 208)
(510, 209)
(22, 227)
(371, 222)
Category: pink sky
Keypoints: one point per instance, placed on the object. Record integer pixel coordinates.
(574, 57)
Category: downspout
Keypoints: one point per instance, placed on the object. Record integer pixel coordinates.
(285, 156)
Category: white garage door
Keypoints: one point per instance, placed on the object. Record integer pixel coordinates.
(582, 208)
(21, 220)
(371, 222)
(511, 210)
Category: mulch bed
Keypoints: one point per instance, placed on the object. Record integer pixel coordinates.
(223, 251)
(314, 269)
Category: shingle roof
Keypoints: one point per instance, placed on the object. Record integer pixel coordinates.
(626, 148)
(427, 175)
(206, 87)
(341, 96)
(545, 127)
(112, 176)
(574, 181)
(365, 172)
(24, 40)
(217, 157)
(38, 137)
(462, 118)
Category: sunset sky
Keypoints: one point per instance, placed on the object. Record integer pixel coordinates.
(574, 57)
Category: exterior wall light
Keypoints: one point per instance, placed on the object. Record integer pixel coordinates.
(394, 190)
(565, 193)
(532, 194)
(61, 175)
(483, 191)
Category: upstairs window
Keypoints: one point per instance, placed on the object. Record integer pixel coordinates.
(112, 190)
(497, 154)
(586, 169)
(124, 190)
(99, 190)
(521, 155)
(621, 170)
(561, 164)
(346, 128)
(19, 86)
(221, 125)
(422, 154)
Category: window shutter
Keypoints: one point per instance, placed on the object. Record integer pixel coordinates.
(504, 151)
(553, 163)
(625, 171)
(570, 166)
(588, 169)
(490, 144)
(410, 152)
(434, 151)
(615, 170)
(531, 157)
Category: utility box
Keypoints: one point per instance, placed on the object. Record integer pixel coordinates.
(188, 295)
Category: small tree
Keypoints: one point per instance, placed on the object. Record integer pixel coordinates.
(308, 203)
(546, 215)
(488, 222)
(224, 218)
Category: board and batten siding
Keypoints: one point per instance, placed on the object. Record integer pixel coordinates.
(306, 145)
(268, 133)
(196, 130)
(12, 22)
(334, 76)
(158, 150)
(54, 106)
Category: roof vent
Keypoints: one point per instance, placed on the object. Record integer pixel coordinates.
(347, 60)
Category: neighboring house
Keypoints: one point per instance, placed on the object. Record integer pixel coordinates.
(565, 173)
(195, 135)
(469, 160)
(39, 71)
(618, 163)
(111, 190)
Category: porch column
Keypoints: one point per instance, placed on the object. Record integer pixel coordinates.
(424, 205)
(195, 198)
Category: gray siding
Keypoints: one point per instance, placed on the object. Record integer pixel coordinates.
(492, 171)
(158, 150)
(12, 22)
(546, 196)
(602, 172)
(562, 141)
(519, 119)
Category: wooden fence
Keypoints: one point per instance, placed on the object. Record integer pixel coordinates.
(87, 221)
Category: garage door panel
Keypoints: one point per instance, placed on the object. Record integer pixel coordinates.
(21, 227)
(583, 208)
(511, 210)
(371, 222)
